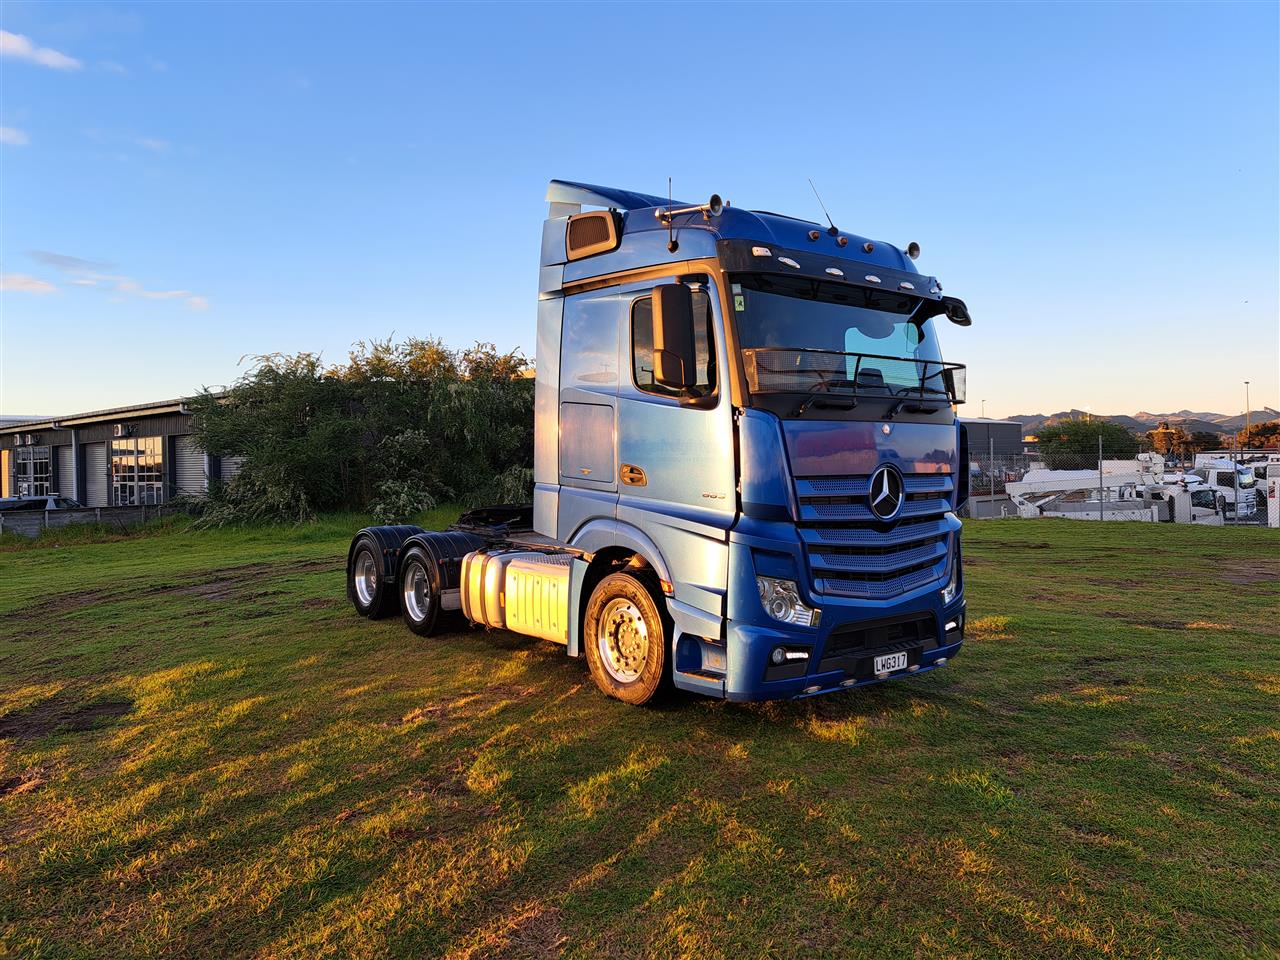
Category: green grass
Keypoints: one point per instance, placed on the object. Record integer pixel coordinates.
(205, 753)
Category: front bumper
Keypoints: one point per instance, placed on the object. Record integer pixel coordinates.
(849, 636)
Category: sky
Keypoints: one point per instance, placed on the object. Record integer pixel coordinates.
(185, 185)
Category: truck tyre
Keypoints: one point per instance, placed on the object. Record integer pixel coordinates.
(419, 591)
(372, 593)
(625, 637)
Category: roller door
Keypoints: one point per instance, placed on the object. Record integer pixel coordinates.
(95, 475)
(66, 467)
(190, 476)
(231, 468)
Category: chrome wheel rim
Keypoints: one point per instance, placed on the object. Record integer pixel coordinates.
(366, 577)
(417, 593)
(623, 640)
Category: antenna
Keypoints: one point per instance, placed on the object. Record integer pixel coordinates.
(833, 231)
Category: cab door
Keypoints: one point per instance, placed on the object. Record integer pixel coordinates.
(676, 475)
(588, 408)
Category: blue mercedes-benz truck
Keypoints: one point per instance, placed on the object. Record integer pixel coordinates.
(747, 462)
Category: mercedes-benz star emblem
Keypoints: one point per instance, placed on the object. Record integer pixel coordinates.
(886, 493)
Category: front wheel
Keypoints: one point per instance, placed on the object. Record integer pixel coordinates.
(625, 637)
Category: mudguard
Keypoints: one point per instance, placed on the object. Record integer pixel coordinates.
(390, 542)
(447, 548)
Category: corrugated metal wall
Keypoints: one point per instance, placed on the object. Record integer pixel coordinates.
(65, 481)
(95, 475)
(189, 475)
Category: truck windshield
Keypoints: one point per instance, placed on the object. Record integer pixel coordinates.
(801, 335)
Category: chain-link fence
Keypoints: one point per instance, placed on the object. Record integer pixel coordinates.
(1213, 487)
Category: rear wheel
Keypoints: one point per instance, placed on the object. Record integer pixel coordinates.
(372, 594)
(419, 592)
(626, 639)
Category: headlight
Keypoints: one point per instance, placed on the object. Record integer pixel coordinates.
(953, 585)
(781, 600)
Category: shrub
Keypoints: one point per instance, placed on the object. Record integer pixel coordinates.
(394, 430)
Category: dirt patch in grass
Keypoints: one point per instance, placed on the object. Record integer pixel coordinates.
(1254, 572)
(225, 583)
(60, 714)
(20, 784)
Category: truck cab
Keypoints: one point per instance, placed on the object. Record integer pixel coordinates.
(747, 463)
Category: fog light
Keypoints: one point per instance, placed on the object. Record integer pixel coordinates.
(781, 600)
(940, 662)
(953, 625)
(782, 655)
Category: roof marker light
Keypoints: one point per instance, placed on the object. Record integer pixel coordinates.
(868, 246)
(871, 278)
(835, 271)
(789, 262)
(935, 289)
(761, 252)
(904, 285)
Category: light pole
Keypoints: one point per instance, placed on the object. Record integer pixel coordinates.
(1246, 411)
(984, 409)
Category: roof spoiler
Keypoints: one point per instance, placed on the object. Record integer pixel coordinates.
(567, 198)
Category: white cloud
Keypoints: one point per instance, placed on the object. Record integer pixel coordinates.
(89, 273)
(110, 66)
(155, 144)
(135, 289)
(13, 137)
(23, 283)
(21, 48)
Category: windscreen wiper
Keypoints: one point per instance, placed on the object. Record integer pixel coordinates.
(844, 403)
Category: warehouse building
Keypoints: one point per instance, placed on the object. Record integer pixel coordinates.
(998, 438)
(128, 456)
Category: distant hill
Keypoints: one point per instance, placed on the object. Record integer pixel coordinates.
(1189, 420)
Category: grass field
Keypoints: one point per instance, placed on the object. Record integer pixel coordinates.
(205, 753)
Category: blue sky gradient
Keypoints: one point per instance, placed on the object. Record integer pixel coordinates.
(1101, 183)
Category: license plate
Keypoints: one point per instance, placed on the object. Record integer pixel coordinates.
(890, 662)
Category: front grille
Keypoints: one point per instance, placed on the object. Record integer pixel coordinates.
(853, 554)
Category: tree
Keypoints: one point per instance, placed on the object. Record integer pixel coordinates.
(1260, 435)
(1203, 440)
(1073, 444)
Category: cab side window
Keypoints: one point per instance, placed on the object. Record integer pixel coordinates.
(642, 347)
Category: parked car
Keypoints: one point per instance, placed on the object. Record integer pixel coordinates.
(54, 502)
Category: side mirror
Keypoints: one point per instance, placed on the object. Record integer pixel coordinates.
(674, 362)
(956, 311)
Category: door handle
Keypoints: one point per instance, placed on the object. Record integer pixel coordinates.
(632, 475)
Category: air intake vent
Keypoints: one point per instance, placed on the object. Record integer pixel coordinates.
(591, 233)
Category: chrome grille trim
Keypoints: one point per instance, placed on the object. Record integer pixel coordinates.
(849, 552)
